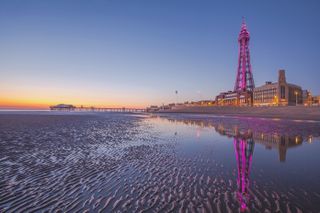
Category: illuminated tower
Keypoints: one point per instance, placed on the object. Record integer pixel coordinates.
(244, 150)
(244, 81)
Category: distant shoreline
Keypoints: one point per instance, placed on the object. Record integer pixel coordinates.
(287, 112)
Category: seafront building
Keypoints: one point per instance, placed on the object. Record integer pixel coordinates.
(231, 98)
(307, 98)
(316, 100)
(278, 93)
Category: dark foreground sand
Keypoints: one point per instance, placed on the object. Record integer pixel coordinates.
(290, 112)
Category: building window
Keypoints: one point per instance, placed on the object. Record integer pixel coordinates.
(282, 92)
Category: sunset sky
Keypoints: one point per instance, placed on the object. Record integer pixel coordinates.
(137, 53)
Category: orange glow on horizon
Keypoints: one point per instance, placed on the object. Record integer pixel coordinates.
(20, 96)
(44, 104)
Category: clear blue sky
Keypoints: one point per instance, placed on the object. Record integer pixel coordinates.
(139, 52)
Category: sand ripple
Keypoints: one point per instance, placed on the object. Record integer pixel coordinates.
(89, 163)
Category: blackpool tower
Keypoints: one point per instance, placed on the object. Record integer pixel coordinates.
(244, 81)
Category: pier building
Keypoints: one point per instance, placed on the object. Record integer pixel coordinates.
(63, 107)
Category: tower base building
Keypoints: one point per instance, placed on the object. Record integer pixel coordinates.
(230, 98)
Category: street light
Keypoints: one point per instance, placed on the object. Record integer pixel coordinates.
(176, 92)
(276, 100)
(296, 97)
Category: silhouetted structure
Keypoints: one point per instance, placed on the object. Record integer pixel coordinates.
(63, 107)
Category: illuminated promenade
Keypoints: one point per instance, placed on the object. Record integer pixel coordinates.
(289, 112)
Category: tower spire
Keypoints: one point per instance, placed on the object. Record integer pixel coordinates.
(244, 80)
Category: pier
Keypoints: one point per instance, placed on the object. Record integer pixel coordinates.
(109, 109)
(69, 107)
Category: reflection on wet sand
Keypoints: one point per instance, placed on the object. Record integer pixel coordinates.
(243, 147)
(244, 151)
(244, 143)
(271, 140)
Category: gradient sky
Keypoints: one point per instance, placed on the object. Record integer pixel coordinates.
(137, 53)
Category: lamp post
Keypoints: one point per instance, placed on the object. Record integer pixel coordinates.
(296, 93)
(176, 92)
(276, 100)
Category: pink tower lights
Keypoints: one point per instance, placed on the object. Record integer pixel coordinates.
(244, 80)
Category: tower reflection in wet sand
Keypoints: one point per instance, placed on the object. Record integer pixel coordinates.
(244, 151)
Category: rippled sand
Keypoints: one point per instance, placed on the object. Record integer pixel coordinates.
(112, 162)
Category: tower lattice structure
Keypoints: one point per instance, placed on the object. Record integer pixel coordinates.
(244, 81)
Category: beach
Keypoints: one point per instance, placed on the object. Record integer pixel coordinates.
(121, 162)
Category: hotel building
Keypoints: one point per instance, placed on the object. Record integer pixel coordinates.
(279, 93)
(242, 98)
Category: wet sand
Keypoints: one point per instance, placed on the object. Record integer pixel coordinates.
(110, 162)
(290, 112)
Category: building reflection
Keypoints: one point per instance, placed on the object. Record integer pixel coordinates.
(272, 141)
(279, 142)
(244, 143)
